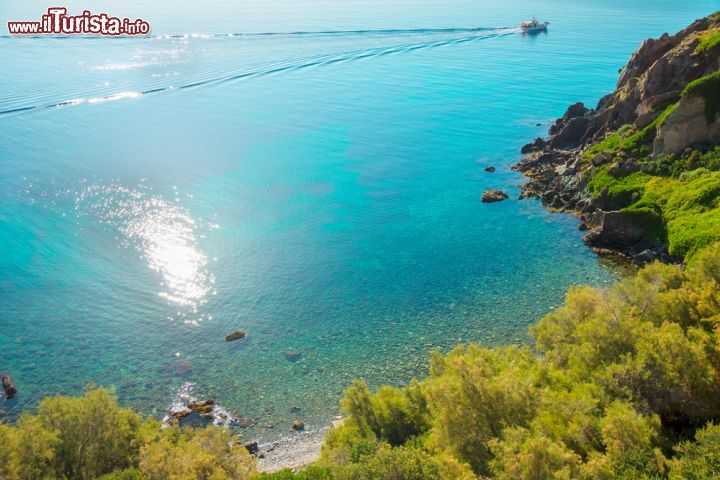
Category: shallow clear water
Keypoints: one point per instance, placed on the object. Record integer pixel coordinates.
(319, 190)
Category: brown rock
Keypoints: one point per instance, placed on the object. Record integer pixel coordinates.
(205, 407)
(182, 367)
(491, 195)
(623, 168)
(177, 414)
(298, 425)
(600, 159)
(292, 355)
(236, 335)
(616, 230)
(10, 390)
(242, 422)
(687, 125)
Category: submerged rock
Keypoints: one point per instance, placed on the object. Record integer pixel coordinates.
(236, 335)
(242, 422)
(491, 195)
(292, 355)
(10, 390)
(489, 169)
(298, 425)
(182, 367)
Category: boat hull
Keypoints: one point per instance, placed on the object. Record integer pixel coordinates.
(542, 26)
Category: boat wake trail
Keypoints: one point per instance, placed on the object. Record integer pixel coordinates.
(192, 81)
(338, 33)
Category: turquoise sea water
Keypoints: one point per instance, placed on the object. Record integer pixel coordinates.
(320, 191)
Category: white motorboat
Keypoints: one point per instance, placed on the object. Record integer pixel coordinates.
(533, 25)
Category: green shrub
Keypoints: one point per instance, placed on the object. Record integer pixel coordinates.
(310, 473)
(708, 41)
(392, 415)
(187, 454)
(698, 460)
(622, 191)
(127, 474)
(93, 437)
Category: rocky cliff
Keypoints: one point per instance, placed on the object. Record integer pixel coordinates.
(594, 161)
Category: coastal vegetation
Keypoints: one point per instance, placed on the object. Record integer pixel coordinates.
(620, 383)
(617, 383)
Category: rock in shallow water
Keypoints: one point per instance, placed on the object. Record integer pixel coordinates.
(236, 335)
(182, 367)
(10, 390)
(298, 425)
(292, 355)
(491, 195)
(489, 169)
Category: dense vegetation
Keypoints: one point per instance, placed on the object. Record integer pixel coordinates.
(92, 437)
(622, 383)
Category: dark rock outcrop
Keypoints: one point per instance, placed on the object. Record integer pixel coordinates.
(535, 146)
(203, 408)
(236, 335)
(490, 169)
(202, 413)
(491, 195)
(10, 390)
(252, 447)
(614, 230)
(653, 78)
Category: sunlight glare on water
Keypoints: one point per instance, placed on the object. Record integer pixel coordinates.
(164, 235)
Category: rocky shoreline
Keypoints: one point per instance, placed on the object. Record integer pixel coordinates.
(561, 166)
(294, 452)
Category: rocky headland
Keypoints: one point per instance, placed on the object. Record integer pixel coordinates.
(614, 165)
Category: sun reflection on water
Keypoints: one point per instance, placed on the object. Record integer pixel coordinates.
(165, 236)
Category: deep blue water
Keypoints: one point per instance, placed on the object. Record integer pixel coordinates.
(320, 191)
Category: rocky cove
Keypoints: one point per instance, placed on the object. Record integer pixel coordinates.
(595, 161)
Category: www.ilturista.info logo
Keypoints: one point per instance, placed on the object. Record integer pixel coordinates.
(58, 22)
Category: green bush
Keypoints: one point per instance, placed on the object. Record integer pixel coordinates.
(708, 41)
(93, 437)
(700, 459)
(310, 473)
